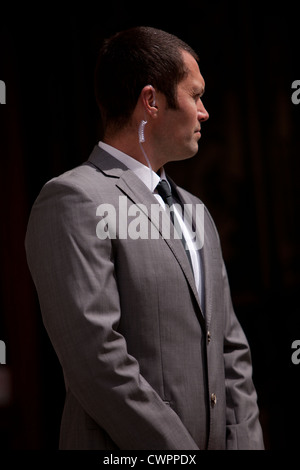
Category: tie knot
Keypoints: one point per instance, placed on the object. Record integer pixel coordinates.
(165, 192)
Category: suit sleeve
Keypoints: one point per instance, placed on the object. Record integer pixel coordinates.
(243, 429)
(74, 275)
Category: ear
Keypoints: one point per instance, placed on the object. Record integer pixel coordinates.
(148, 99)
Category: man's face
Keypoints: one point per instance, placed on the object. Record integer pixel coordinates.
(179, 130)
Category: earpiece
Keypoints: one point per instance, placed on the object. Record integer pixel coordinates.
(154, 102)
(143, 122)
(154, 95)
(141, 133)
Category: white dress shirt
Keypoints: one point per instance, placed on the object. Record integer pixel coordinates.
(151, 180)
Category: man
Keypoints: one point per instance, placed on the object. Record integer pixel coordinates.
(152, 352)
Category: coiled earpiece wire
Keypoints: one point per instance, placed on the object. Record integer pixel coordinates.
(141, 140)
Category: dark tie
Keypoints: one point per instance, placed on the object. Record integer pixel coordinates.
(165, 192)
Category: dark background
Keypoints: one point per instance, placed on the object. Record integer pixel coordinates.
(246, 172)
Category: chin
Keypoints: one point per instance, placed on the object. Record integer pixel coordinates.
(186, 153)
(193, 151)
(187, 156)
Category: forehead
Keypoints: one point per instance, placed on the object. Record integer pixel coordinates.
(194, 78)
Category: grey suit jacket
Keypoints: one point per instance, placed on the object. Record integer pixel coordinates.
(123, 314)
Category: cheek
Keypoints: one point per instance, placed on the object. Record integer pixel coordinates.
(179, 125)
(189, 117)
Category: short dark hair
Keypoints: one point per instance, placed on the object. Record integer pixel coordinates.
(132, 59)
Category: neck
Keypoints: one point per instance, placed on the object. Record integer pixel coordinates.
(128, 143)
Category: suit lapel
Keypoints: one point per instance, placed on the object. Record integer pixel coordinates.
(207, 255)
(208, 271)
(138, 193)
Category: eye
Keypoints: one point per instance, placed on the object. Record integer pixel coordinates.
(197, 97)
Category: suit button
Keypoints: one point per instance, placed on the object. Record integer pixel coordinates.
(208, 336)
(213, 399)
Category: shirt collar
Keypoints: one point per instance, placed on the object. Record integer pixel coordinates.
(142, 171)
(163, 176)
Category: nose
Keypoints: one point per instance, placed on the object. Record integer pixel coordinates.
(202, 113)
